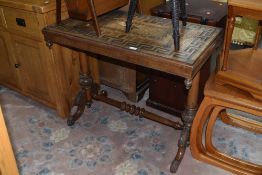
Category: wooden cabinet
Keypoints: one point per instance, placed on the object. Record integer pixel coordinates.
(25, 60)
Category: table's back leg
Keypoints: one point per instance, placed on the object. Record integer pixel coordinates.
(175, 23)
(131, 13)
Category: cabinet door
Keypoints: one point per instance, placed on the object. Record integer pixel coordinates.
(32, 68)
(7, 63)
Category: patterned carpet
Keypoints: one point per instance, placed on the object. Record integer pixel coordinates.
(107, 141)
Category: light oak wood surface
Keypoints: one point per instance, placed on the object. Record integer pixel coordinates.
(249, 4)
(27, 62)
(39, 6)
(242, 68)
(7, 160)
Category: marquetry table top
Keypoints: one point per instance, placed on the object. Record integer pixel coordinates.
(148, 44)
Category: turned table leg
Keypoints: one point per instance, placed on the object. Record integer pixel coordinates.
(84, 97)
(187, 118)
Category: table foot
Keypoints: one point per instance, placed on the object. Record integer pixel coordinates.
(182, 145)
(187, 118)
(83, 98)
(80, 102)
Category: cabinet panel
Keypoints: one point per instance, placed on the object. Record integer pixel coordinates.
(32, 67)
(7, 64)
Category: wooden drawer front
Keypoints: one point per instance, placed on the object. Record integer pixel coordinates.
(21, 21)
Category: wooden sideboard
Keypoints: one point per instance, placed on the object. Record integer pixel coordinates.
(28, 66)
(23, 52)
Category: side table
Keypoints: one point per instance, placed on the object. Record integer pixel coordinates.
(149, 45)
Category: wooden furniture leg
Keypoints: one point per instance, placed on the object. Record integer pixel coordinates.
(258, 35)
(94, 17)
(131, 13)
(89, 91)
(228, 38)
(84, 97)
(187, 118)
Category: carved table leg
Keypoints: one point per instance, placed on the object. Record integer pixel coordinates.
(84, 97)
(175, 23)
(187, 118)
(131, 13)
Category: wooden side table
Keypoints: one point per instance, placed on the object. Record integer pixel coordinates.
(150, 45)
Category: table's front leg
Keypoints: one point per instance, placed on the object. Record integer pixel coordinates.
(187, 118)
(84, 97)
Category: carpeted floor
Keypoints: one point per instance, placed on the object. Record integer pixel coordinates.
(106, 141)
